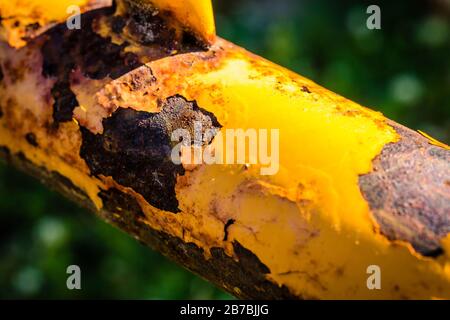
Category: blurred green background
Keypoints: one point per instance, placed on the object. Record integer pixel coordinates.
(402, 70)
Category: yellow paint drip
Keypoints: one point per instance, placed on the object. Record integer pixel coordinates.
(320, 242)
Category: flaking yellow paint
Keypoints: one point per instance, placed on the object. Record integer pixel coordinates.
(309, 223)
(320, 246)
(195, 14)
(18, 15)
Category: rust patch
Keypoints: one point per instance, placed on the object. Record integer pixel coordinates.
(97, 58)
(244, 272)
(125, 205)
(31, 139)
(148, 29)
(15, 74)
(408, 192)
(135, 148)
(31, 28)
(148, 25)
(65, 102)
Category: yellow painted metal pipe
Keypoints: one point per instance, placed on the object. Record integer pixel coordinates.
(350, 190)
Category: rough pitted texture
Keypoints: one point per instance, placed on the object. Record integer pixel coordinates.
(97, 57)
(67, 50)
(243, 276)
(409, 191)
(150, 26)
(135, 148)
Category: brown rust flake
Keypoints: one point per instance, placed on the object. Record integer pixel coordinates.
(147, 25)
(66, 50)
(409, 192)
(97, 57)
(244, 271)
(31, 139)
(135, 148)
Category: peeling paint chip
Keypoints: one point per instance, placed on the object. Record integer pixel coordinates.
(402, 207)
(135, 149)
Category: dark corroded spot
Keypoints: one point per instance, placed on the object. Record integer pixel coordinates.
(305, 89)
(14, 73)
(116, 201)
(248, 273)
(225, 228)
(249, 260)
(408, 194)
(97, 57)
(148, 27)
(4, 153)
(31, 139)
(118, 23)
(32, 27)
(135, 148)
(1, 73)
(65, 102)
